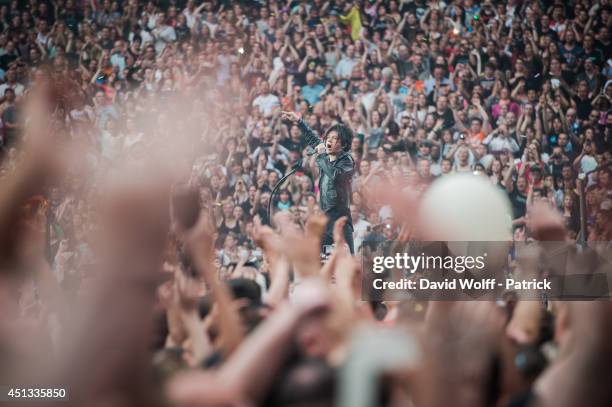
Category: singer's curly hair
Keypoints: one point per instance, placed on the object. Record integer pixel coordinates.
(345, 134)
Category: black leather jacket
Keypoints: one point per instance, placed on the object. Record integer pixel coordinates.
(335, 176)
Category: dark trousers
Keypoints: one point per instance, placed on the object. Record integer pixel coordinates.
(328, 236)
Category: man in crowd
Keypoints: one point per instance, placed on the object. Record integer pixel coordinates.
(336, 168)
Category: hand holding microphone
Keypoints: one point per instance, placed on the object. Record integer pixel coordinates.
(320, 149)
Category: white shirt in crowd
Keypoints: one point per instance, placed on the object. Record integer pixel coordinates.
(151, 19)
(43, 39)
(498, 143)
(344, 69)
(145, 37)
(360, 231)
(267, 103)
(85, 113)
(190, 18)
(118, 60)
(212, 27)
(224, 62)
(163, 35)
(17, 87)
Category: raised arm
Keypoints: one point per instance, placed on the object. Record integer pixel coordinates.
(200, 246)
(246, 377)
(318, 44)
(390, 110)
(308, 134)
(303, 64)
(402, 23)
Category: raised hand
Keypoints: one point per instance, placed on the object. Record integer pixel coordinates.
(187, 292)
(339, 231)
(290, 116)
(546, 223)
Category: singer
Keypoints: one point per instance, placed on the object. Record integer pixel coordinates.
(336, 167)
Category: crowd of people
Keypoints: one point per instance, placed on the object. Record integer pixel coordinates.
(188, 94)
(517, 92)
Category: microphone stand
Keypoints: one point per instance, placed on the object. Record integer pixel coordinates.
(297, 166)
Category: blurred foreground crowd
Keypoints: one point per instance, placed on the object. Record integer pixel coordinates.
(141, 142)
